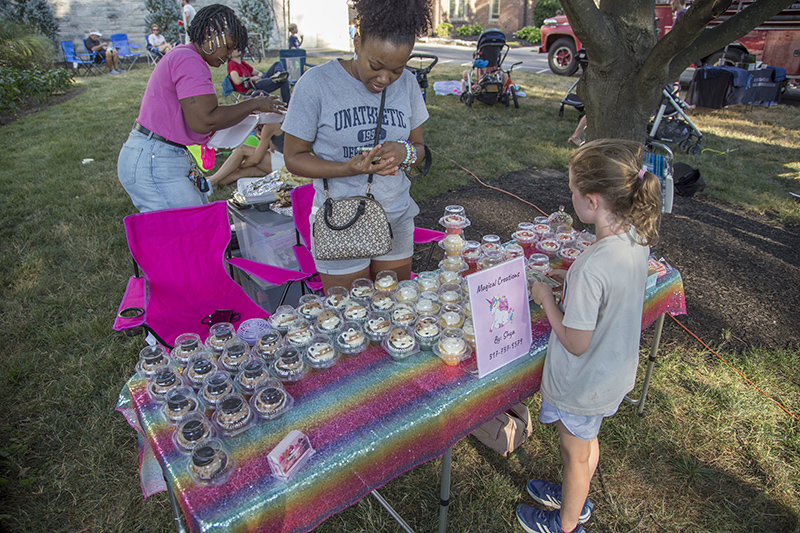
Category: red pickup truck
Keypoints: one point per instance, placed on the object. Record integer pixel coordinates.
(775, 42)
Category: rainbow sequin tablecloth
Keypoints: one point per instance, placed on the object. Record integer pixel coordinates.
(369, 418)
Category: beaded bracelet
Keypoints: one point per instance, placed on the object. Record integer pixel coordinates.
(411, 155)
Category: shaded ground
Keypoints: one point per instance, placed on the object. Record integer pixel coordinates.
(29, 108)
(741, 270)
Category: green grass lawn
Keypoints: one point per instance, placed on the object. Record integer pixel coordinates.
(710, 454)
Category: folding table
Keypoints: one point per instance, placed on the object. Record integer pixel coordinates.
(369, 419)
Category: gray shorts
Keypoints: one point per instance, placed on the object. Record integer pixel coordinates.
(582, 426)
(402, 248)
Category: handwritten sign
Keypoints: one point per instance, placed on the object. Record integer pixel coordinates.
(500, 313)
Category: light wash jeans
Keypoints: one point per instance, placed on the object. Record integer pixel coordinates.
(156, 174)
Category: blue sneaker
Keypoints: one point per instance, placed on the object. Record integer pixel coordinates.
(534, 520)
(549, 494)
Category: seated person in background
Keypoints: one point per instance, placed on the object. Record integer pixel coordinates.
(157, 41)
(271, 80)
(249, 162)
(103, 50)
(294, 40)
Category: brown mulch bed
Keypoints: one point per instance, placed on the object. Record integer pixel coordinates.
(741, 270)
(31, 108)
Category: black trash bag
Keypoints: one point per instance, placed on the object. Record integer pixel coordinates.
(687, 180)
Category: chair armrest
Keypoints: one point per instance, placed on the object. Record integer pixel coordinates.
(271, 274)
(134, 300)
(137, 46)
(423, 235)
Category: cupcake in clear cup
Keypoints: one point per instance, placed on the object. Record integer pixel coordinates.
(400, 343)
(471, 254)
(163, 381)
(403, 315)
(585, 240)
(356, 311)
(300, 333)
(200, 366)
(232, 415)
(283, 317)
(565, 235)
(329, 322)
(541, 225)
(452, 348)
(216, 386)
(191, 430)
(453, 263)
(428, 304)
(454, 210)
(491, 243)
(548, 245)
(512, 250)
(449, 276)
(186, 346)
(449, 293)
(289, 366)
(250, 330)
(427, 331)
(377, 326)
(428, 281)
(178, 403)
(453, 244)
(362, 289)
(271, 401)
(490, 259)
(454, 219)
(382, 301)
(337, 297)
(267, 345)
(233, 356)
(252, 374)
(309, 306)
(386, 281)
(525, 226)
(538, 263)
(569, 254)
(321, 353)
(468, 327)
(211, 463)
(152, 359)
(452, 316)
(351, 339)
(527, 239)
(219, 335)
(407, 292)
(466, 307)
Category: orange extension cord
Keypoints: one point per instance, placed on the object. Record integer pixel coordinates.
(773, 400)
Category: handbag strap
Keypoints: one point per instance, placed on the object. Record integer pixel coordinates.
(377, 138)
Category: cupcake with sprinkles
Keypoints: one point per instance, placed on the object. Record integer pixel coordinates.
(400, 343)
(427, 331)
(309, 306)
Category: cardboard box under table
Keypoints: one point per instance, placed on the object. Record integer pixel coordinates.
(369, 418)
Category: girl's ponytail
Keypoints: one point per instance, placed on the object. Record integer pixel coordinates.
(645, 212)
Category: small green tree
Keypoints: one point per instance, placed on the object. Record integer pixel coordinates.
(257, 16)
(166, 14)
(36, 14)
(544, 9)
(22, 47)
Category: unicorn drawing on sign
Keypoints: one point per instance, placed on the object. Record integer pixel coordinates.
(501, 313)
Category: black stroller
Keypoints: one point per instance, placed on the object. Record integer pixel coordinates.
(420, 72)
(487, 82)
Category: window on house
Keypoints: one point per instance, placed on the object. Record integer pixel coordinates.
(494, 9)
(458, 10)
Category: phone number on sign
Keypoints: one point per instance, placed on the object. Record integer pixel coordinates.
(505, 348)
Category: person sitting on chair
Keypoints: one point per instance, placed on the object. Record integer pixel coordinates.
(480, 72)
(247, 161)
(102, 51)
(273, 79)
(157, 41)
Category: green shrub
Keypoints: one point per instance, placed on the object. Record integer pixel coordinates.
(530, 34)
(544, 9)
(445, 29)
(166, 14)
(468, 30)
(18, 87)
(22, 48)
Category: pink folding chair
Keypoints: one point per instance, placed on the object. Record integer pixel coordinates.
(181, 253)
(302, 201)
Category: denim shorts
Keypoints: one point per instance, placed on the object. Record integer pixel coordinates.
(583, 427)
(402, 248)
(156, 174)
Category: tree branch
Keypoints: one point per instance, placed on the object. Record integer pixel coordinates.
(716, 38)
(587, 22)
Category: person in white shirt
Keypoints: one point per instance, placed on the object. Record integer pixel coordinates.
(188, 15)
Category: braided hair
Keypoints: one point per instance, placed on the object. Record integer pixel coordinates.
(216, 19)
(397, 21)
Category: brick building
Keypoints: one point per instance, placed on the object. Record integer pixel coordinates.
(506, 15)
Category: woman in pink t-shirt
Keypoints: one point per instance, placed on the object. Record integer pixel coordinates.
(180, 108)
